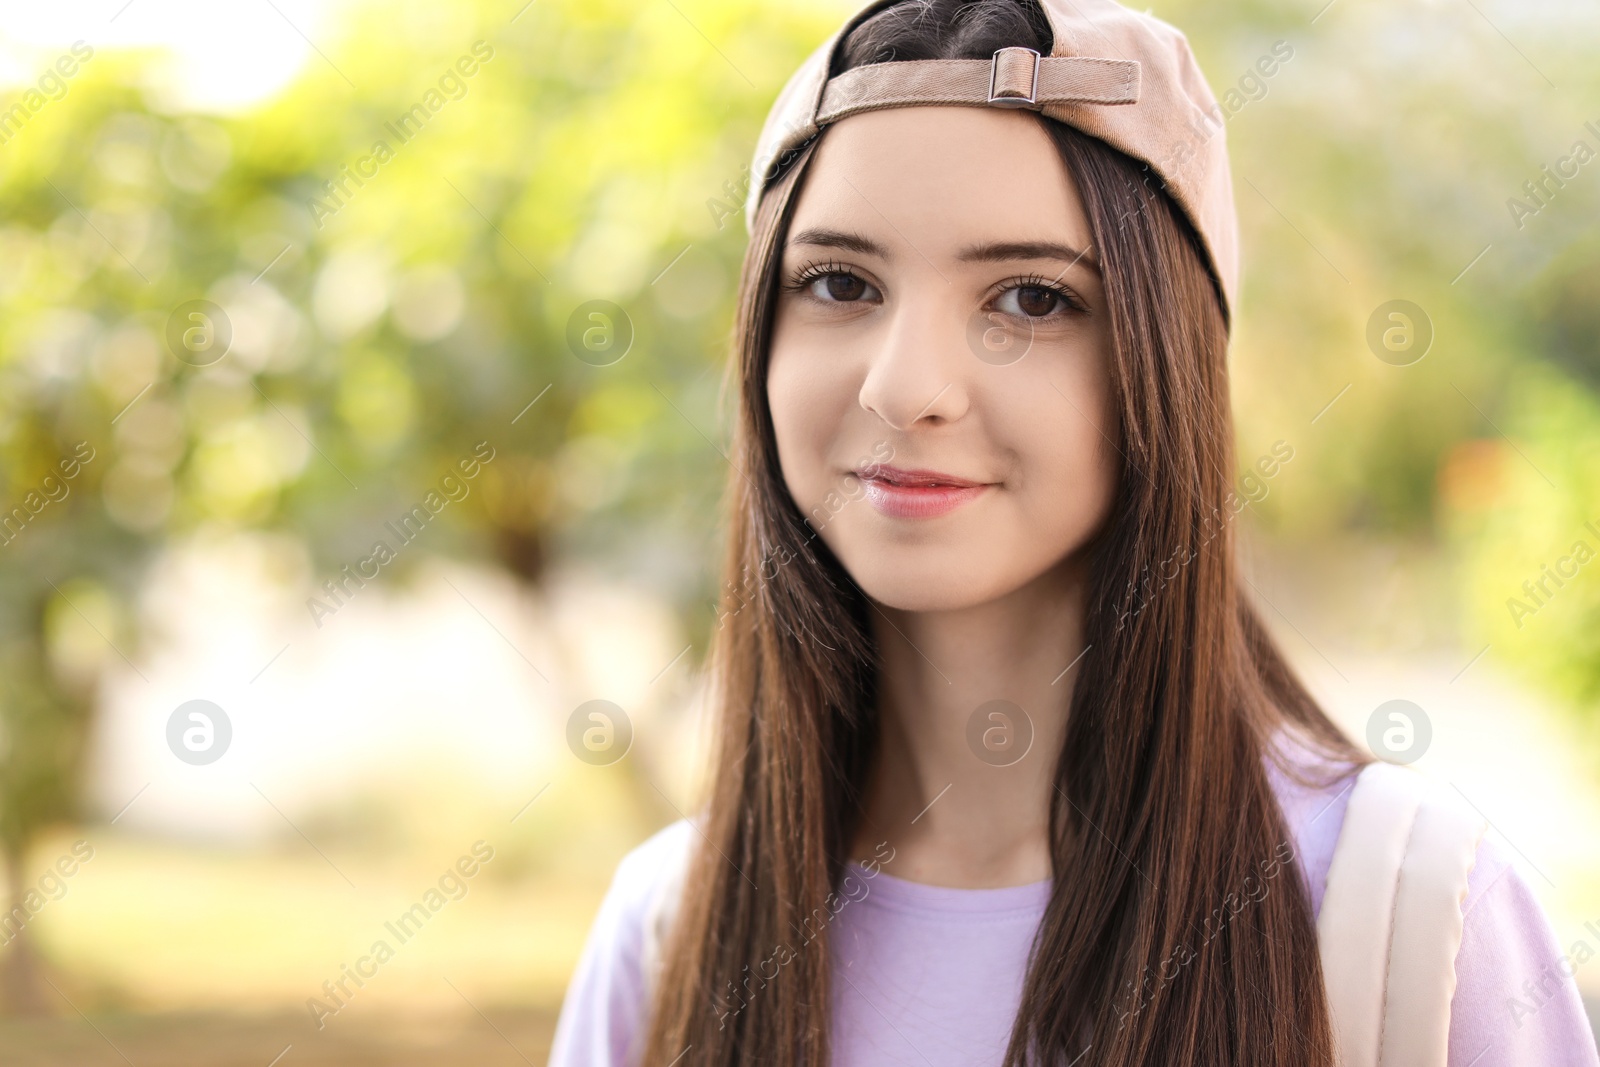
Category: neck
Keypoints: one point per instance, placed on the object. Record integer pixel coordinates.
(966, 803)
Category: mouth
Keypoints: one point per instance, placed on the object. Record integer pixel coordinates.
(916, 494)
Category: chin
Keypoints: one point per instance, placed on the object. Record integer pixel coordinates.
(919, 596)
(920, 580)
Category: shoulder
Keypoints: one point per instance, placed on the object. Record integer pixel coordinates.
(1315, 793)
(1516, 999)
(657, 857)
(1313, 800)
(636, 883)
(640, 884)
(602, 1014)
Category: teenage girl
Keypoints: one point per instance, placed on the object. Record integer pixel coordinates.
(1008, 769)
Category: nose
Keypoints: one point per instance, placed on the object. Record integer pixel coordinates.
(918, 374)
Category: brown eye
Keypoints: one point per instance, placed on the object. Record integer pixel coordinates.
(1036, 301)
(831, 283)
(844, 288)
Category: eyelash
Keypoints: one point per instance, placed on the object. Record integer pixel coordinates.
(810, 272)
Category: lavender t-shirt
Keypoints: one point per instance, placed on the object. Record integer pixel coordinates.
(930, 976)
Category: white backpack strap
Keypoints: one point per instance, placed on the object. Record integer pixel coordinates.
(1390, 924)
(1427, 930)
(1358, 904)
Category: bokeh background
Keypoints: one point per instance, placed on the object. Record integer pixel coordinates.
(177, 491)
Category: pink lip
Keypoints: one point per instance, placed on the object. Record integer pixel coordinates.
(916, 494)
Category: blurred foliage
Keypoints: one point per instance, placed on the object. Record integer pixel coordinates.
(378, 328)
(374, 345)
(381, 331)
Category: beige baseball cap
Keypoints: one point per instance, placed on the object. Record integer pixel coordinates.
(1119, 75)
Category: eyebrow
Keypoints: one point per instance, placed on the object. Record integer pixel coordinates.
(982, 252)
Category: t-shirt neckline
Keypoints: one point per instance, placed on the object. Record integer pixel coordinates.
(902, 894)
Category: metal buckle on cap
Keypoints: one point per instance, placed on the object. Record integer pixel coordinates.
(1012, 99)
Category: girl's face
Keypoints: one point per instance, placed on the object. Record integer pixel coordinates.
(939, 373)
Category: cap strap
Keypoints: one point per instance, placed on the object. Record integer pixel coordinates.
(1015, 77)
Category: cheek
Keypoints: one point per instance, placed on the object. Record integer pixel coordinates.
(1069, 466)
(809, 395)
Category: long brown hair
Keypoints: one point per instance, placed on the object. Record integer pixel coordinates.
(1163, 814)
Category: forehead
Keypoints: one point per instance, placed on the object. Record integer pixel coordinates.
(928, 180)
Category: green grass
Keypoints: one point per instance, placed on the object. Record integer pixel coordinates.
(155, 927)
